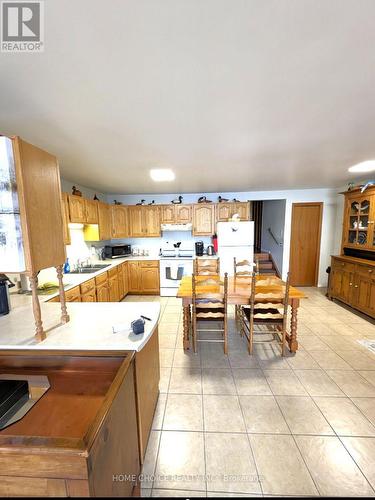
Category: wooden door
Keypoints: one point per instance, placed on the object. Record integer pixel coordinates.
(168, 214)
(203, 219)
(136, 222)
(113, 289)
(77, 211)
(91, 208)
(151, 221)
(104, 219)
(149, 280)
(133, 277)
(65, 216)
(119, 221)
(305, 243)
(183, 214)
(224, 211)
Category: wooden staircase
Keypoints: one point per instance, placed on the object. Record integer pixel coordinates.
(266, 264)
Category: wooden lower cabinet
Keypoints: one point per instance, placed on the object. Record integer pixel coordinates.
(113, 280)
(102, 288)
(147, 370)
(81, 438)
(88, 291)
(352, 280)
(143, 277)
(73, 295)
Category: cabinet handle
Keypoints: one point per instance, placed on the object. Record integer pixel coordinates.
(350, 284)
(355, 286)
(370, 270)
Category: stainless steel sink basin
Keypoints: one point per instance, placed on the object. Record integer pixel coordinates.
(90, 269)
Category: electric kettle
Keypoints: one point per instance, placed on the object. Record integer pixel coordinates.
(210, 250)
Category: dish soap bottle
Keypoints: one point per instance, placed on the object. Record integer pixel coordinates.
(67, 267)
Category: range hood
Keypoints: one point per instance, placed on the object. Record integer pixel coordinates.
(177, 227)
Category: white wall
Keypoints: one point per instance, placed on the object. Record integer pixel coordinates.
(274, 218)
(331, 203)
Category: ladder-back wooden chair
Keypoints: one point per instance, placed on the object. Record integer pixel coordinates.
(241, 269)
(210, 302)
(207, 267)
(269, 310)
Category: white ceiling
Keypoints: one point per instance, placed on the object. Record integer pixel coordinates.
(231, 94)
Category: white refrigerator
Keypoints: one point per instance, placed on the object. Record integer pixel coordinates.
(235, 239)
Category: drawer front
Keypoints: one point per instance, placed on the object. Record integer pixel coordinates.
(149, 263)
(102, 278)
(345, 266)
(113, 272)
(73, 295)
(368, 271)
(87, 286)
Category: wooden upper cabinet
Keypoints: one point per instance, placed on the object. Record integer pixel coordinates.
(203, 219)
(119, 221)
(359, 220)
(151, 221)
(33, 237)
(65, 216)
(77, 209)
(136, 221)
(183, 214)
(91, 211)
(168, 214)
(224, 211)
(104, 219)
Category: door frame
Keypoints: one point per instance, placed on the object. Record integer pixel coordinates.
(320, 204)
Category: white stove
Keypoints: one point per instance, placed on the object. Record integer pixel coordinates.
(175, 262)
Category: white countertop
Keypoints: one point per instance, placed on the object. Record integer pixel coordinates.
(89, 328)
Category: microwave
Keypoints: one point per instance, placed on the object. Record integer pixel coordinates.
(117, 251)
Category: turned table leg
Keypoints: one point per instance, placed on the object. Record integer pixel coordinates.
(292, 340)
(64, 313)
(186, 319)
(39, 332)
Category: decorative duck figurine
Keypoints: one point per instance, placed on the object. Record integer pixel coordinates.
(368, 184)
(235, 200)
(203, 199)
(117, 202)
(142, 202)
(152, 203)
(177, 201)
(221, 199)
(76, 191)
(96, 198)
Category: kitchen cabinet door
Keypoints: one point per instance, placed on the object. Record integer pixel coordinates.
(89, 296)
(121, 281)
(224, 211)
(77, 210)
(133, 277)
(150, 280)
(203, 219)
(341, 285)
(91, 209)
(364, 293)
(136, 221)
(183, 214)
(114, 295)
(125, 273)
(105, 223)
(151, 221)
(73, 295)
(243, 209)
(168, 214)
(65, 216)
(119, 221)
(102, 293)
(358, 223)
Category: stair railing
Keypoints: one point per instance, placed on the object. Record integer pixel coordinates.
(279, 243)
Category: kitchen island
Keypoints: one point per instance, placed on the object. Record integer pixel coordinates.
(87, 364)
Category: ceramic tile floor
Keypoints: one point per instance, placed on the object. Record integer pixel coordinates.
(264, 425)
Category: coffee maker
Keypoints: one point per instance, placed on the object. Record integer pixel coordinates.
(199, 246)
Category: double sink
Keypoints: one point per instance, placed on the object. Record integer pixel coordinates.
(89, 269)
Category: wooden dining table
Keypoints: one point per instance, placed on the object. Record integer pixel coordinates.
(239, 292)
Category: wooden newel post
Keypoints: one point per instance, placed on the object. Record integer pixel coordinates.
(39, 332)
(64, 313)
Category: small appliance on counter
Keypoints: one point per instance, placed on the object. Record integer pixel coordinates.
(116, 251)
(210, 250)
(199, 247)
(5, 284)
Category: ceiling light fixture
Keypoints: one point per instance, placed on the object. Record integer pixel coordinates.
(162, 175)
(363, 167)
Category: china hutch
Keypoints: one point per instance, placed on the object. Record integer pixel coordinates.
(352, 278)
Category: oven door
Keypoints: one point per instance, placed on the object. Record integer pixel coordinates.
(171, 272)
